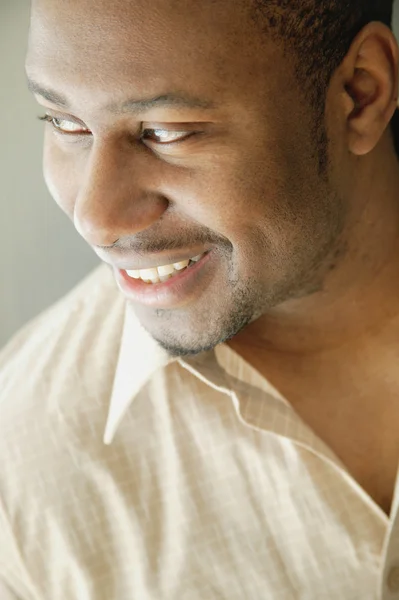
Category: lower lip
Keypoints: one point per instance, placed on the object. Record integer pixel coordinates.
(174, 292)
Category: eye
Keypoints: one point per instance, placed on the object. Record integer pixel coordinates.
(166, 136)
(64, 125)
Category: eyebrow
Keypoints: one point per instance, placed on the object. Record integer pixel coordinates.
(168, 100)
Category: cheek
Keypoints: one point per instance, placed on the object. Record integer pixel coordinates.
(234, 200)
(240, 199)
(261, 202)
(226, 196)
(59, 177)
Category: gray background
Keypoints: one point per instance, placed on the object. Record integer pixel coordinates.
(42, 256)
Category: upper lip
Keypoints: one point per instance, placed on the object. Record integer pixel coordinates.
(140, 263)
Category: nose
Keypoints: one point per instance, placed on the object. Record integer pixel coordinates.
(117, 196)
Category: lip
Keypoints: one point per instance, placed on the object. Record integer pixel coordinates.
(174, 292)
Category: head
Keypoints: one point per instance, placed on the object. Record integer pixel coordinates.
(287, 106)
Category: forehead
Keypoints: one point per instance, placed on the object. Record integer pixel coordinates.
(102, 45)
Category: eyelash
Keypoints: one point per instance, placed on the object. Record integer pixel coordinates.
(51, 120)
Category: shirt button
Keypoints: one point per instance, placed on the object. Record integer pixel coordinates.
(393, 580)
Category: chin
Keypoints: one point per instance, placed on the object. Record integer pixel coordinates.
(187, 337)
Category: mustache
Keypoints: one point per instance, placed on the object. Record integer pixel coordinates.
(143, 244)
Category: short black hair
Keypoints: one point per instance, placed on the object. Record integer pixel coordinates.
(320, 33)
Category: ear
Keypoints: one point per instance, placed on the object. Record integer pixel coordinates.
(370, 82)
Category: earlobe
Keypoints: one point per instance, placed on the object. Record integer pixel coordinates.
(371, 87)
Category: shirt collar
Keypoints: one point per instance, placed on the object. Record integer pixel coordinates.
(139, 357)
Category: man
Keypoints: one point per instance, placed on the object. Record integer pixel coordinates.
(214, 412)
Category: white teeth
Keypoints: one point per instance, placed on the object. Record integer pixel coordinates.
(162, 273)
(181, 265)
(165, 270)
(164, 278)
(151, 274)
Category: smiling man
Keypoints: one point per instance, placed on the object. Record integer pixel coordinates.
(212, 413)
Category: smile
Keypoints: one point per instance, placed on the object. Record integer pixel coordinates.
(184, 282)
(164, 272)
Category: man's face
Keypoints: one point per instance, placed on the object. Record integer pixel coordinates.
(227, 165)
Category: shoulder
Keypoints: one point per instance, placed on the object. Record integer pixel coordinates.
(59, 333)
(76, 307)
(55, 379)
(59, 368)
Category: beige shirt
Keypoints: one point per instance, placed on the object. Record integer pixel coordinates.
(126, 475)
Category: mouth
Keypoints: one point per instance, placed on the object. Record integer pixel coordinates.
(167, 286)
(163, 273)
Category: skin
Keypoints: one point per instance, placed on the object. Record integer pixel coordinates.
(307, 261)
